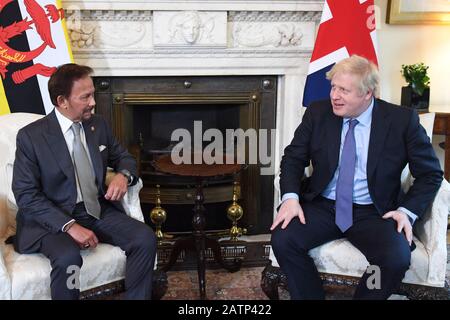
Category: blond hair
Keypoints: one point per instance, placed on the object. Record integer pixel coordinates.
(366, 70)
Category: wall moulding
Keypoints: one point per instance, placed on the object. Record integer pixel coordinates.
(220, 5)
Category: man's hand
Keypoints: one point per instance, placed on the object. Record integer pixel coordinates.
(117, 188)
(84, 237)
(289, 209)
(403, 223)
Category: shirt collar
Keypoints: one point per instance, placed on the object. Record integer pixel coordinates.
(364, 118)
(64, 122)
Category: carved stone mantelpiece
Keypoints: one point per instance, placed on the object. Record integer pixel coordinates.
(102, 30)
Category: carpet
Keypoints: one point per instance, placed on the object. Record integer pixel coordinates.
(241, 285)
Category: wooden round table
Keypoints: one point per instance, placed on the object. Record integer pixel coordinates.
(198, 241)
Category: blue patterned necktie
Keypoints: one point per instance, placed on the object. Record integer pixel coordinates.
(344, 185)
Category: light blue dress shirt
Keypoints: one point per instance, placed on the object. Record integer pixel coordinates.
(360, 188)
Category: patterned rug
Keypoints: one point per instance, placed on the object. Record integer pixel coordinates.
(241, 285)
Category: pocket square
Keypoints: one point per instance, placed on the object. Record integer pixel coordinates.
(101, 148)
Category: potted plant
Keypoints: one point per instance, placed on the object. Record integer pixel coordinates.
(417, 93)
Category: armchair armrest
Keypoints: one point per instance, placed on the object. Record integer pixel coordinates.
(130, 201)
(431, 230)
(5, 281)
(132, 204)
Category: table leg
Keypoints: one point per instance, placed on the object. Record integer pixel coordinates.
(199, 243)
(180, 245)
(198, 223)
(215, 247)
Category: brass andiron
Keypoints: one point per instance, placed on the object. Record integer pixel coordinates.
(234, 213)
(158, 216)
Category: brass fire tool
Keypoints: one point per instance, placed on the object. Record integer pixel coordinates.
(234, 213)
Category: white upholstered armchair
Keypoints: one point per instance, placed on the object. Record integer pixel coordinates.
(340, 263)
(27, 276)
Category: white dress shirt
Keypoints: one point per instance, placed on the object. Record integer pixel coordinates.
(66, 124)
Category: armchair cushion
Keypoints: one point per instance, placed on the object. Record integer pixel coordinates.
(341, 257)
(30, 273)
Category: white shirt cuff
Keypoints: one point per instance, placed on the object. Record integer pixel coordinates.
(64, 226)
(412, 216)
(290, 195)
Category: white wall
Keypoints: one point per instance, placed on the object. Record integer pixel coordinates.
(407, 44)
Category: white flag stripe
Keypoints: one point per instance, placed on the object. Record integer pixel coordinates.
(373, 36)
(326, 13)
(328, 59)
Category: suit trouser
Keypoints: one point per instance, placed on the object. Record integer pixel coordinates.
(375, 237)
(134, 237)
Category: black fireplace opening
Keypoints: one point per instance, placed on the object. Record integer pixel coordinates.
(153, 125)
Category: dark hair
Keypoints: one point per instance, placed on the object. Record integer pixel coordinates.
(61, 81)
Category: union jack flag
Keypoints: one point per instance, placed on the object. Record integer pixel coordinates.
(346, 28)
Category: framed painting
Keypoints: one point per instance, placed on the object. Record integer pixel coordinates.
(418, 12)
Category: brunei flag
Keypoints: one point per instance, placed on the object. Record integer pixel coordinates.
(33, 42)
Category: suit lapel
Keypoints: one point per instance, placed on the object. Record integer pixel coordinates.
(90, 132)
(333, 143)
(378, 133)
(58, 146)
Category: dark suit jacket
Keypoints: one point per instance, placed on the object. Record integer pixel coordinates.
(44, 179)
(396, 138)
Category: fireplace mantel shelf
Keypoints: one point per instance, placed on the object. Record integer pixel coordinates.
(219, 5)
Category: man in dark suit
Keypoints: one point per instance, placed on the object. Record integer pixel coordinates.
(358, 146)
(59, 184)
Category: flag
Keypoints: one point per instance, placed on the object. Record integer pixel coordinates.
(33, 42)
(346, 28)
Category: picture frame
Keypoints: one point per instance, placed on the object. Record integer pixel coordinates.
(418, 12)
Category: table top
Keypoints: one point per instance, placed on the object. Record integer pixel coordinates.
(165, 164)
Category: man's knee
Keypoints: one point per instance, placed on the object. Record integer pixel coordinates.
(281, 240)
(144, 238)
(395, 259)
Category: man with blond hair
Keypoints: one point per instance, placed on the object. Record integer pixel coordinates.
(358, 146)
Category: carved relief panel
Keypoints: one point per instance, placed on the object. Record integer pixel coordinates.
(189, 29)
(101, 29)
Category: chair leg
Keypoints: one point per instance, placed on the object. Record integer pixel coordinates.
(418, 292)
(273, 278)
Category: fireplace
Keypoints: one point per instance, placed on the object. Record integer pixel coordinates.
(143, 113)
(126, 40)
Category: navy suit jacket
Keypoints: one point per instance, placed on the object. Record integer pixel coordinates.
(44, 179)
(396, 138)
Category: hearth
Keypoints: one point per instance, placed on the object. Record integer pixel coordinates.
(143, 113)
